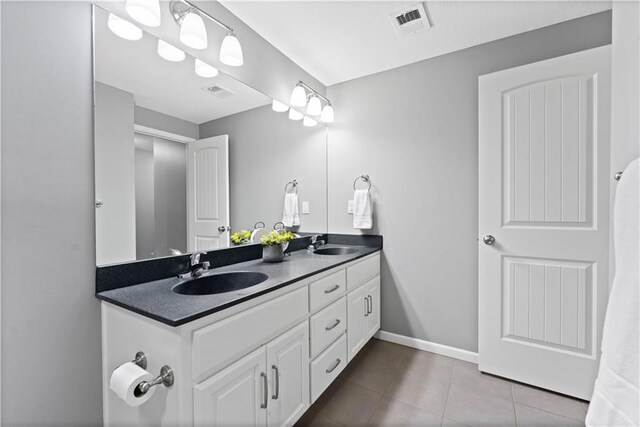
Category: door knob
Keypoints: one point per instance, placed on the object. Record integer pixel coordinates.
(223, 228)
(489, 239)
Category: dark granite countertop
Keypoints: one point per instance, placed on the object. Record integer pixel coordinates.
(156, 299)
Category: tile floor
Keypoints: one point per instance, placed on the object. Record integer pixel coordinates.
(392, 385)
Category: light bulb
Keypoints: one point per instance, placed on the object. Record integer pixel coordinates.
(295, 115)
(327, 114)
(298, 97)
(123, 28)
(309, 122)
(170, 52)
(193, 32)
(146, 12)
(279, 107)
(315, 106)
(231, 51)
(205, 70)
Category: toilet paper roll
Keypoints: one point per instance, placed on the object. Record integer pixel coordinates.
(125, 380)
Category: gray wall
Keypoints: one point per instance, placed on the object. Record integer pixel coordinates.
(414, 129)
(164, 122)
(145, 197)
(50, 317)
(267, 150)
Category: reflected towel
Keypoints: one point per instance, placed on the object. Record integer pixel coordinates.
(362, 210)
(616, 395)
(290, 213)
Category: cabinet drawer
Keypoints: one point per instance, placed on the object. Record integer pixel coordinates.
(363, 271)
(326, 367)
(218, 343)
(327, 289)
(327, 325)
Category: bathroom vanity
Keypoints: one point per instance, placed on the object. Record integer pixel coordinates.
(257, 356)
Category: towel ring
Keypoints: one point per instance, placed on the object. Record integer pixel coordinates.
(258, 225)
(294, 186)
(278, 226)
(365, 178)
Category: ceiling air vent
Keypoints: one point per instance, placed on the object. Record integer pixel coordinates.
(410, 20)
(218, 91)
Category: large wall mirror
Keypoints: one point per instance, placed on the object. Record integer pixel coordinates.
(183, 161)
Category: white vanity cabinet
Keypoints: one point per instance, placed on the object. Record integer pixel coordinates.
(261, 362)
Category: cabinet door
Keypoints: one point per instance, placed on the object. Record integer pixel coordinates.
(235, 396)
(357, 309)
(288, 364)
(373, 319)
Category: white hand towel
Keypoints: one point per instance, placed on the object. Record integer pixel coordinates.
(362, 210)
(290, 213)
(616, 395)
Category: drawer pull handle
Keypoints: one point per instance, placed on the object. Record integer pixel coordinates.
(370, 304)
(276, 376)
(336, 323)
(366, 306)
(333, 368)
(265, 392)
(335, 288)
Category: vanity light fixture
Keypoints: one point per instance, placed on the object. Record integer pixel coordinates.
(314, 108)
(146, 12)
(193, 32)
(123, 28)
(298, 96)
(309, 122)
(205, 70)
(279, 107)
(303, 92)
(170, 52)
(295, 114)
(327, 114)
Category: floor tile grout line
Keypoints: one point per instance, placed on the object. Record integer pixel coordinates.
(513, 402)
(446, 401)
(549, 412)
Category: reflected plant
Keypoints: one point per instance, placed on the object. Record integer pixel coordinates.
(240, 237)
(276, 238)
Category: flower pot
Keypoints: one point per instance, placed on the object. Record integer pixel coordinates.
(272, 253)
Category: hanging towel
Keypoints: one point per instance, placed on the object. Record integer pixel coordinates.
(616, 396)
(362, 210)
(290, 213)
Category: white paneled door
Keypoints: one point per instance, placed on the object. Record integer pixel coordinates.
(544, 220)
(208, 193)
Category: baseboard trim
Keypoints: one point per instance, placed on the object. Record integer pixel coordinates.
(445, 350)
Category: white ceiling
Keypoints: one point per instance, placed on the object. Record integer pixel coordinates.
(167, 87)
(336, 41)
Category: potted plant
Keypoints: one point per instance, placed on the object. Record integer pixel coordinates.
(241, 237)
(273, 245)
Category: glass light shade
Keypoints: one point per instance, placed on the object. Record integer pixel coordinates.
(231, 51)
(279, 107)
(314, 107)
(327, 114)
(309, 122)
(193, 33)
(123, 28)
(146, 12)
(295, 115)
(170, 52)
(205, 70)
(298, 97)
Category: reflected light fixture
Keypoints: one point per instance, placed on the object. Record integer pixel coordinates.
(327, 114)
(279, 107)
(295, 115)
(123, 28)
(193, 33)
(231, 51)
(309, 122)
(146, 12)
(170, 52)
(314, 108)
(298, 96)
(205, 70)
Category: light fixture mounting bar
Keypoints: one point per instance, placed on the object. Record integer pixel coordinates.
(312, 90)
(202, 12)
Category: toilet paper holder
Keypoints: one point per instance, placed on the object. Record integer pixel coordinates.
(165, 378)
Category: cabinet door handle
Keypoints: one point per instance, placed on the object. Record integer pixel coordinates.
(370, 304)
(335, 288)
(366, 306)
(276, 377)
(333, 368)
(265, 391)
(336, 323)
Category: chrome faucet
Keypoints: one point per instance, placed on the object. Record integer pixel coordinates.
(315, 243)
(193, 262)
